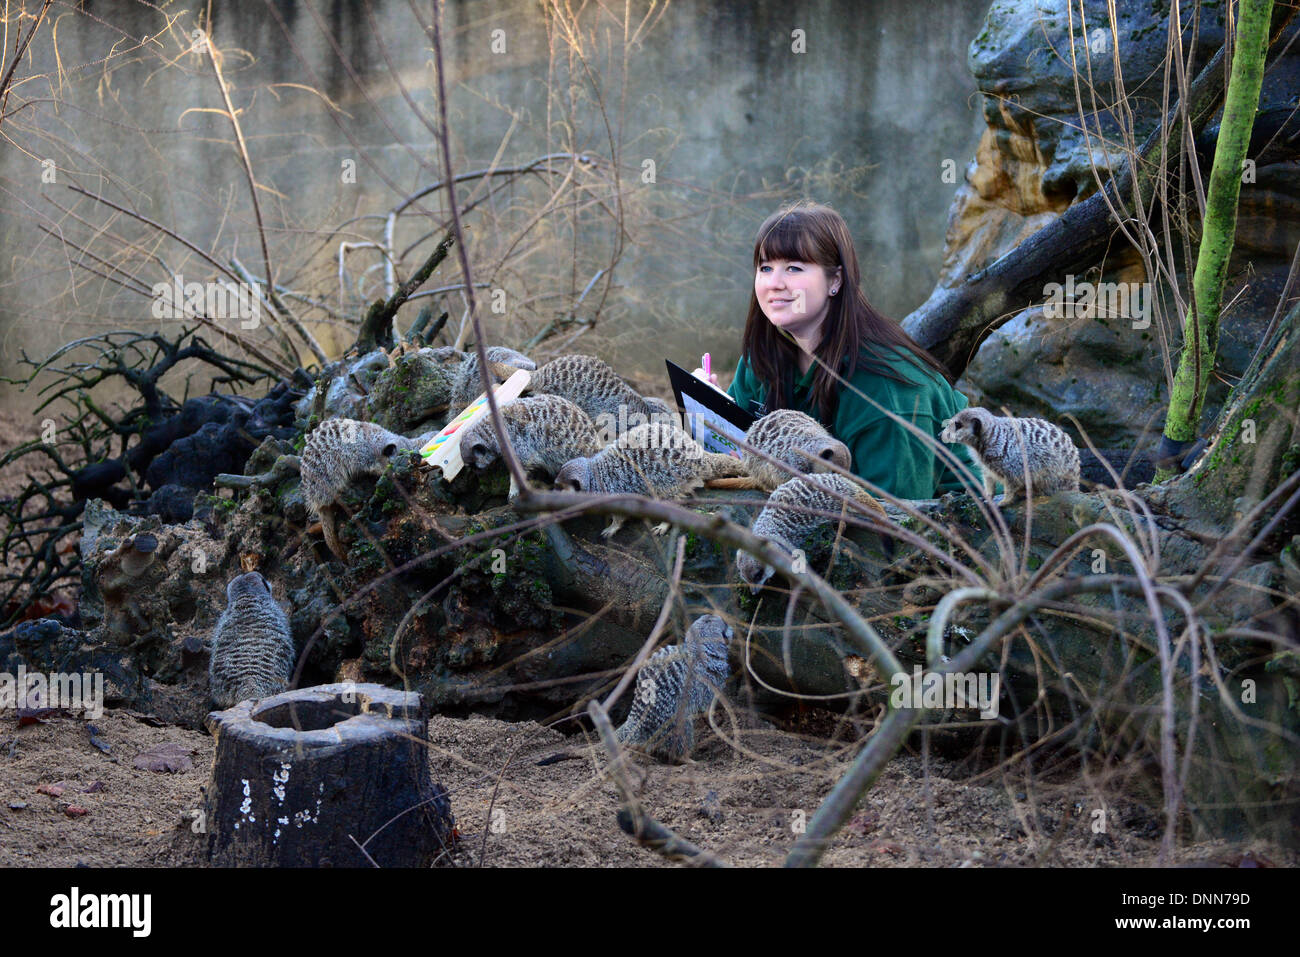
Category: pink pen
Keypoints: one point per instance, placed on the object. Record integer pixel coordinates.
(708, 368)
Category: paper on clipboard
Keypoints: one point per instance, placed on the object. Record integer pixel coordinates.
(712, 417)
(712, 431)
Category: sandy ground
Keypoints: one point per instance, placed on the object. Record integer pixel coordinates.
(65, 800)
(741, 804)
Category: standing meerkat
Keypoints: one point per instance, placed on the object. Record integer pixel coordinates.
(675, 684)
(544, 430)
(1003, 445)
(252, 647)
(656, 460)
(794, 439)
(788, 518)
(598, 390)
(338, 451)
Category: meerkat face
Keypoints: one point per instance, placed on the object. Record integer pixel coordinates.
(509, 357)
(811, 452)
(479, 446)
(835, 452)
(479, 454)
(966, 427)
(713, 626)
(752, 571)
(575, 476)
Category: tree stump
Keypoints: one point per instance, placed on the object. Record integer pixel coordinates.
(331, 776)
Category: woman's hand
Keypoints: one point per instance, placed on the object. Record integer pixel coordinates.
(707, 373)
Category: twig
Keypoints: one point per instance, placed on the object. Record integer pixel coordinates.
(279, 309)
(507, 451)
(377, 326)
(20, 50)
(283, 309)
(280, 367)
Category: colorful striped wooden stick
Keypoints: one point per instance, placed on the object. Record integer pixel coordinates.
(443, 450)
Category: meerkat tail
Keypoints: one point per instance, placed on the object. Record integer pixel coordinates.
(863, 497)
(329, 528)
(741, 482)
(501, 370)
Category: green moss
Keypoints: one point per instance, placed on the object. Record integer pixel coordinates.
(364, 559)
(521, 593)
(1290, 460)
(495, 481)
(700, 550)
(222, 507)
(746, 600)
(1228, 441)
(388, 497)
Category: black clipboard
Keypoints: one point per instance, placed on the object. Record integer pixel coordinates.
(714, 419)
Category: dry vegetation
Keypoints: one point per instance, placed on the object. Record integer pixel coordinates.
(540, 236)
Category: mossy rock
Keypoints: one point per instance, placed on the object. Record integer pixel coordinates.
(413, 394)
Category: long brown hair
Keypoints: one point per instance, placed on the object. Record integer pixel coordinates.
(854, 334)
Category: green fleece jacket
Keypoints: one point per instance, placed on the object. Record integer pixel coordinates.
(884, 452)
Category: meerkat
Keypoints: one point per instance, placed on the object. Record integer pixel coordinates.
(675, 684)
(788, 518)
(654, 459)
(1003, 445)
(467, 384)
(794, 439)
(658, 406)
(338, 451)
(599, 391)
(544, 430)
(252, 647)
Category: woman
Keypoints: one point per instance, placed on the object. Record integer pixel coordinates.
(808, 316)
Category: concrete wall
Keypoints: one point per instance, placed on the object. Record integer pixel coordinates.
(862, 120)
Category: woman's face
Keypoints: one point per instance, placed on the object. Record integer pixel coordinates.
(795, 296)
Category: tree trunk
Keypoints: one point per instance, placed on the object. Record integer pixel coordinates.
(1201, 327)
(331, 776)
